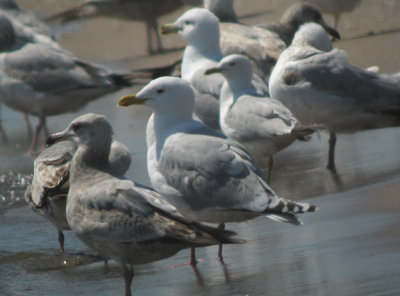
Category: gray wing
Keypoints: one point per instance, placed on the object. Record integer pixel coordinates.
(330, 72)
(259, 117)
(48, 70)
(213, 172)
(132, 213)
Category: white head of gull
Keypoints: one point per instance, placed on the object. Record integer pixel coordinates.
(208, 176)
(200, 29)
(119, 218)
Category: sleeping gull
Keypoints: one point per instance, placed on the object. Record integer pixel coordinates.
(40, 80)
(262, 44)
(117, 217)
(200, 29)
(144, 10)
(319, 86)
(262, 124)
(47, 196)
(200, 171)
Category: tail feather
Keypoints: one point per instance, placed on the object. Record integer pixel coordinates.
(220, 235)
(284, 210)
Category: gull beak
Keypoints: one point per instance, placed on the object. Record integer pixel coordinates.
(131, 100)
(331, 31)
(57, 137)
(212, 71)
(169, 29)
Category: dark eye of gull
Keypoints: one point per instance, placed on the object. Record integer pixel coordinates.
(160, 91)
(76, 127)
(232, 64)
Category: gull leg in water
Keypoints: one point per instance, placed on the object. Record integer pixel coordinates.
(4, 137)
(219, 255)
(193, 260)
(331, 155)
(61, 240)
(128, 275)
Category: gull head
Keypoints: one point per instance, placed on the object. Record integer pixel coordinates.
(164, 95)
(302, 13)
(90, 129)
(233, 67)
(196, 25)
(312, 34)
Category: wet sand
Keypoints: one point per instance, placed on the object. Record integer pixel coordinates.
(351, 246)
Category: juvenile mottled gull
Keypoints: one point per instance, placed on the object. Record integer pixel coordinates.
(294, 17)
(262, 124)
(262, 44)
(319, 86)
(40, 80)
(200, 29)
(204, 174)
(144, 10)
(118, 218)
(47, 196)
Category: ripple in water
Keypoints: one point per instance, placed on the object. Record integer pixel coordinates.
(12, 189)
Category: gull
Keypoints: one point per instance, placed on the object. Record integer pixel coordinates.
(117, 217)
(262, 43)
(293, 17)
(47, 195)
(28, 28)
(144, 10)
(262, 124)
(320, 86)
(200, 29)
(205, 175)
(335, 7)
(38, 79)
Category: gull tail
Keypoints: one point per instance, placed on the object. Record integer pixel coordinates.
(284, 210)
(221, 236)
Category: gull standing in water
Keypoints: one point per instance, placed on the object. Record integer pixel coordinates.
(41, 80)
(319, 86)
(200, 29)
(119, 218)
(47, 196)
(205, 175)
(28, 28)
(262, 124)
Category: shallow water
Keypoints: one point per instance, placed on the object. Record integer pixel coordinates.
(349, 247)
